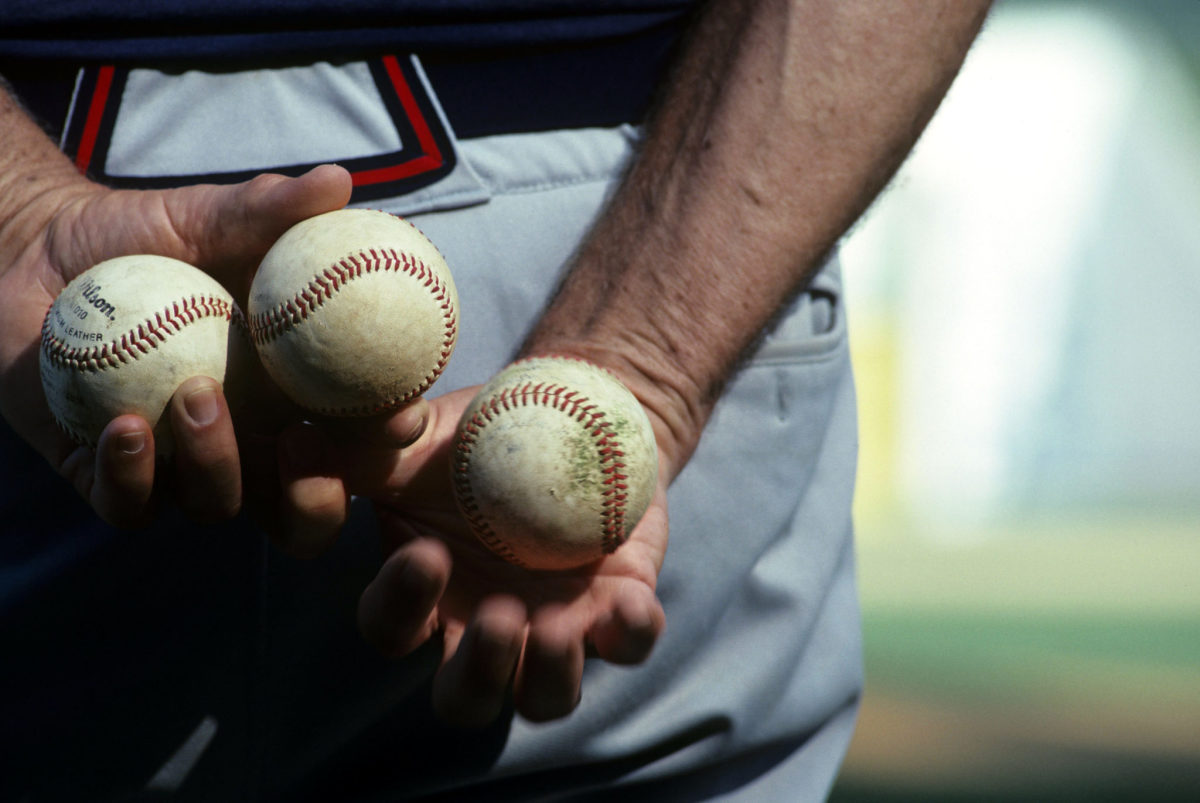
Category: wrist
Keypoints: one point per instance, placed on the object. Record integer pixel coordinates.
(28, 225)
(36, 181)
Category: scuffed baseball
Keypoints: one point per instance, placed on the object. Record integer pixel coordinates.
(353, 313)
(122, 336)
(554, 463)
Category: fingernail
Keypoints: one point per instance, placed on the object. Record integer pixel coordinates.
(639, 618)
(415, 586)
(131, 443)
(414, 431)
(201, 406)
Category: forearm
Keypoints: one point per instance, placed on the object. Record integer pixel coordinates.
(32, 170)
(781, 123)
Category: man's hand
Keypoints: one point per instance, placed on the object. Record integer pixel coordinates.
(504, 629)
(69, 224)
(780, 124)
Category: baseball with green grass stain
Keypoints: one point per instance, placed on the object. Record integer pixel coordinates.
(554, 463)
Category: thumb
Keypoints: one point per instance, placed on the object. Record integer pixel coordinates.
(227, 229)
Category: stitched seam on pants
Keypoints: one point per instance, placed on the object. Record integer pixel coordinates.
(520, 188)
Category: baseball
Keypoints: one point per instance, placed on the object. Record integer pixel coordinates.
(353, 312)
(554, 463)
(122, 336)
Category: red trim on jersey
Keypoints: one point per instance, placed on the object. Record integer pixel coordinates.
(91, 128)
(431, 156)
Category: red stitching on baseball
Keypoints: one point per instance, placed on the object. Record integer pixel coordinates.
(270, 324)
(140, 340)
(564, 400)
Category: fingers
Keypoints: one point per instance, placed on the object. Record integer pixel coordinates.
(227, 229)
(397, 611)
(300, 476)
(627, 634)
(368, 450)
(209, 477)
(123, 483)
(395, 430)
(549, 680)
(321, 466)
(542, 661)
(472, 686)
(277, 202)
(548, 686)
(314, 502)
(318, 468)
(501, 650)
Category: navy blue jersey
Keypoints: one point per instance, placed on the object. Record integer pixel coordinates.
(188, 29)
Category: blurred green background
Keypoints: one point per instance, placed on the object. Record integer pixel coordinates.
(1025, 318)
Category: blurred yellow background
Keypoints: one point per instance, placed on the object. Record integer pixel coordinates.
(1025, 318)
